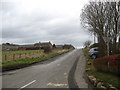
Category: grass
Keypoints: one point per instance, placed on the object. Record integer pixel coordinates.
(20, 54)
(107, 78)
(28, 61)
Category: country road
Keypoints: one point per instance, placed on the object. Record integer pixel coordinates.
(64, 71)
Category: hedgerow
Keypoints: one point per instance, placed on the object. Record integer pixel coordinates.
(108, 64)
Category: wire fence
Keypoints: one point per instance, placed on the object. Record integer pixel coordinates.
(18, 56)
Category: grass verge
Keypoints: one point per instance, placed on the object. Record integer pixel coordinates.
(27, 61)
(107, 78)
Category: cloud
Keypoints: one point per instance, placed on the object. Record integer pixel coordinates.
(28, 21)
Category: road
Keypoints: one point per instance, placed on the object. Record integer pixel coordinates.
(64, 71)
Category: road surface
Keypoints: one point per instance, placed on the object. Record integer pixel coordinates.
(64, 71)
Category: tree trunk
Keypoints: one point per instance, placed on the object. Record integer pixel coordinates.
(119, 45)
(102, 47)
(114, 50)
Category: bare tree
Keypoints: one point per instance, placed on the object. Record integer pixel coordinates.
(87, 43)
(101, 18)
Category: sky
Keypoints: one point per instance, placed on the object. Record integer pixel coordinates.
(32, 21)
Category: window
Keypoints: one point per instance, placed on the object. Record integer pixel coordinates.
(95, 49)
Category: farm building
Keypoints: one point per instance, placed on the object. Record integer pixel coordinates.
(28, 47)
(68, 46)
(36, 46)
(44, 44)
(11, 47)
(59, 46)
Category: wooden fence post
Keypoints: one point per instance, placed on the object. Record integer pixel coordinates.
(19, 55)
(13, 56)
(29, 53)
(5, 57)
(25, 55)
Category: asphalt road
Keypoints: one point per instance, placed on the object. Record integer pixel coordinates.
(65, 71)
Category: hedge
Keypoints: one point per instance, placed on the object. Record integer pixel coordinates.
(108, 64)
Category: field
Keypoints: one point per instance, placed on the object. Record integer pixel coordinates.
(16, 55)
(19, 59)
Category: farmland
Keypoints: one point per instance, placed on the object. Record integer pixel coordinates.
(16, 55)
(19, 59)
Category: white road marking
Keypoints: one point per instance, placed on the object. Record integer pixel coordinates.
(56, 85)
(27, 85)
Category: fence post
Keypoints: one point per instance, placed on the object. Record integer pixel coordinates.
(13, 56)
(5, 57)
(19, 55)
(25, 55)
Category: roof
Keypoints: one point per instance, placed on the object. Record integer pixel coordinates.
(45, 43)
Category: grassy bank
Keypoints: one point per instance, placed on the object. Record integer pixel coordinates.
(107, 78)
(27, 61)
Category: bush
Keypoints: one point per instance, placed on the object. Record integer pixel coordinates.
(108, 64)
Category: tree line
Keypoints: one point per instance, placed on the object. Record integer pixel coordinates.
(102, 18)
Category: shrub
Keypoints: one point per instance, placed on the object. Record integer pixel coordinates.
(108, 64)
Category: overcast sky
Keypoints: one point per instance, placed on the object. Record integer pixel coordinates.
(31, 21)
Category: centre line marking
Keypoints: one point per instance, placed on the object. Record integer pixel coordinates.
(27, 85)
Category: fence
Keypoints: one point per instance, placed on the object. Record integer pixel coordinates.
(18, 56)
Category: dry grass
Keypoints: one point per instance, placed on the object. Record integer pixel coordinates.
(29, 60)
(17, 55)
(22, 54)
